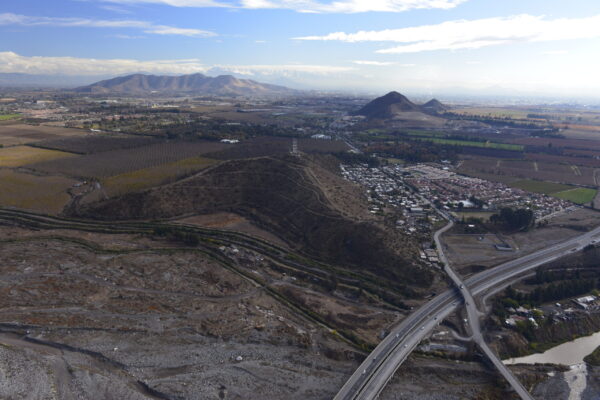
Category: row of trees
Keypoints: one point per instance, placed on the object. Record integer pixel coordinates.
(415, 151)
(552, 292)
(520, 219)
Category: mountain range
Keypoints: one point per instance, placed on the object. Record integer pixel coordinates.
(394, 104)
(198, 84)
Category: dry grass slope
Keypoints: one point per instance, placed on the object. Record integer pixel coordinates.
(153, 176)
(46, 194)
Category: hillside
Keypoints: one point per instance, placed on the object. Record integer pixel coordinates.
(434, 106)
(278, 195)
(387, 106)
(199, 84)
(395, 105)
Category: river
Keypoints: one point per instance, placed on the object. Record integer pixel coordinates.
(570, 353)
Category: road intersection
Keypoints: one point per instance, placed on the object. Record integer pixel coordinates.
(378, 368)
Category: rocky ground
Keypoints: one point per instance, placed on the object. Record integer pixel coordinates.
(87, 315)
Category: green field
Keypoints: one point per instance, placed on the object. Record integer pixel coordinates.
(540, 186)
(413, 132)
(395, 161)
(579, 195)
(469, 143)
(6, 117)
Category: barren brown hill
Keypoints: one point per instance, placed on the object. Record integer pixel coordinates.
(388, 106)
(223, 85)
(278, 195)
(434, 106)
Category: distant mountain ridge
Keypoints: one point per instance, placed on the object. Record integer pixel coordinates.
(393, 104)
(200, 84)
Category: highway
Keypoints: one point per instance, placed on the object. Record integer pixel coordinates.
(473, 318)
(379, 367)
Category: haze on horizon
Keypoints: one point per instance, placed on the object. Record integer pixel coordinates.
(538, 47)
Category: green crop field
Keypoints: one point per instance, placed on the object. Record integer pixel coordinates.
(468, 143)
(413, 132)
(6, 117)
(579, 195)
(540, 186)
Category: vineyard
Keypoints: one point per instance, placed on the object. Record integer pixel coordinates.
(90, 144)
(15, 134)
(512, 170)
(116, 162)
(268, 146)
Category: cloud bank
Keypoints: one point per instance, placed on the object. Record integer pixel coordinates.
(146, 27)
(473, 34)
(11, 62)
(310, 6)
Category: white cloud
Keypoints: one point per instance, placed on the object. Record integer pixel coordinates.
(555, 52)
(283, 69)
(473, 34)
(311, 6)
(11, 62)
(119, 36)
(374, 63)
(381, 63)
(173, 3)
(146, 27)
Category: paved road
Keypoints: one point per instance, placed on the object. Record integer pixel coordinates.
(473, 318)
(379, 367)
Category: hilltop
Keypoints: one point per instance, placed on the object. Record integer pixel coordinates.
(394, 104)
(277, 194)
(435, 106)
(222, 85)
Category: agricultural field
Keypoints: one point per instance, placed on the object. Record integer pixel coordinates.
(470, 143)
(578, 195)
(508, 171)
(7, 117)
(96, 143)
(116, 162)
(540, 186)
(19, 156)
(153, 176)
(579, 161)
(47, 194)
(495, 112)
(559, 143)
(17, 133)
(580, 134)
(266, 146)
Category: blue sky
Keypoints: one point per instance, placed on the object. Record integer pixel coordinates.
(526, 46)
